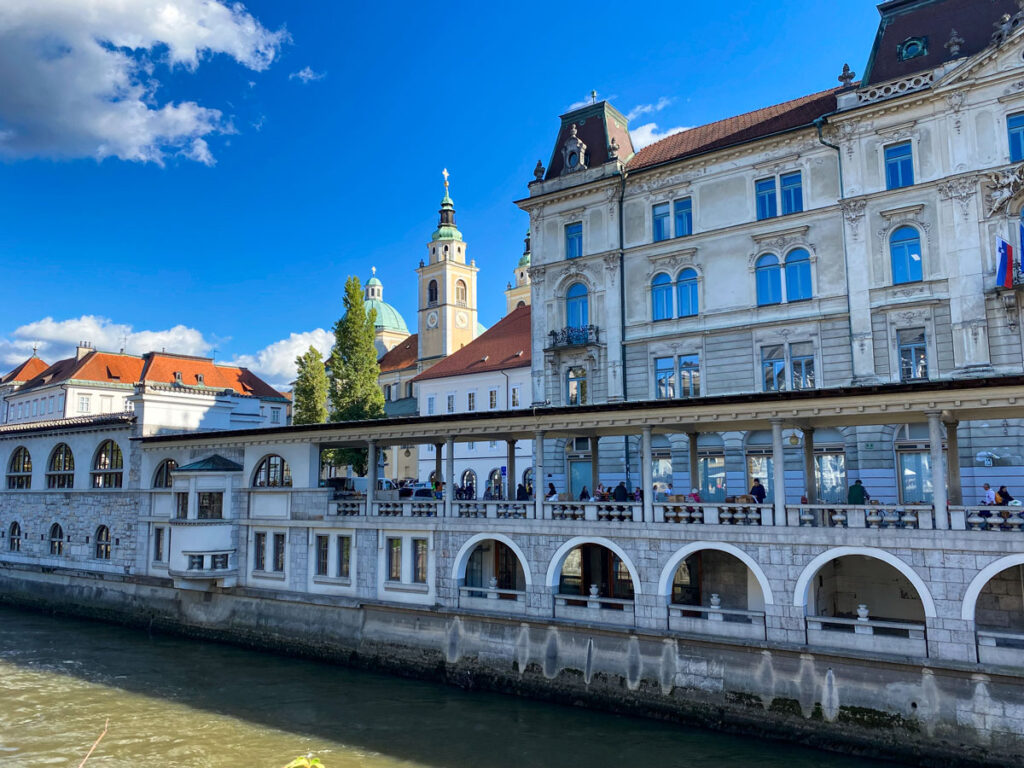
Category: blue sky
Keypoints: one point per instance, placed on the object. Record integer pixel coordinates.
(235, 231)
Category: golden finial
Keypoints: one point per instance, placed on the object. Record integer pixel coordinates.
(445, 174)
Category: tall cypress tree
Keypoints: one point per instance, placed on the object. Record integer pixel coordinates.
(354, 390)
(310, 394)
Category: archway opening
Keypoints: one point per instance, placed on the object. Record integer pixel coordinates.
(711, 578)
(864, 588)
(595, 571)
(494, 566)
(999, 615)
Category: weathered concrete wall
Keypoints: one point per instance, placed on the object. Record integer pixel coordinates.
(922, 713)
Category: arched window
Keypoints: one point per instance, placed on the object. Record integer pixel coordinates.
(106, 469)
(56, 539)
(60, 471)
(661, 296)
(494, 484)
(432, 292)
(469, 485)
(528, 479)
(769, 280)
(272, 472)
(162, 478)
(798, 275)
(905, 252)
(461, 293)
(577, 309)
(19, 471)
(686, 293)
(103, 543)
(14, 537)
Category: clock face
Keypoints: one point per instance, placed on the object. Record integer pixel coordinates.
(432, 319)
(461, 319)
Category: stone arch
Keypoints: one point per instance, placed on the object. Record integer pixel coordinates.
(462, 558)
(970, 602)
(669, 571)
(558, 559)
(800, 591)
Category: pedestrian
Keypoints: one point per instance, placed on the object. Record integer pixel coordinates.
(584, 494)
(695, 495)
(858, 493)
(1003, 496)
(757, 491)
(552, 493)
(988, 495)
(620, 494)
(521, 494)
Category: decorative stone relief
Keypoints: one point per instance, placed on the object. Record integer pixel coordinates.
(954, 44)
(537, 275)
(853, 212)
(574, 153)
(910, 317)
(538, 171)
(1004, 185)
(956, 101)
(961, 190)
(611, 263)
(1009, 299)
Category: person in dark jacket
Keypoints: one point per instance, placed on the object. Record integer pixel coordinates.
(757, 491)
(620, 493)
(858, 493)
(521, 494)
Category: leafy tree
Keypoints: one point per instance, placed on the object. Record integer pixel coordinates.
(353, 370)
(310, 393)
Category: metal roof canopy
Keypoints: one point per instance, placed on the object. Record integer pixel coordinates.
(963, 400)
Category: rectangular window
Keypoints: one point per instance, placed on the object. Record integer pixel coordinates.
(83, 404)
(181, 505)
(515, 397)
(899, 166)
(394, 559)
(664, 377)
(791, 186)
(801, 361)
(419, 561)
(60, 403)
(279, 545)
(35, 407)
(492, 399)
(158, 545)
(275, 415)
(471, 401)
(574, 240)
(1015, 127)
(431, 405)
(684, 217)
(450, 404)
(576, 386)
(767, 206)
(195, 562)
(660, 222)
(913, 354)
(773, 368)
(344, 556)
(259, 553)
(689, 376)
(322, 554)
(211, 506)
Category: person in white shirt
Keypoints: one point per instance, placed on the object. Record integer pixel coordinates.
(990, 495)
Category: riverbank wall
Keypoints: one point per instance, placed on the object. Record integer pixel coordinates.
(922, 713)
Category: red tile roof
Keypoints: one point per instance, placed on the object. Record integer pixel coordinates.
(153, 368)
(401, 356)
(787, 116)
(24, 372)
(505, 345)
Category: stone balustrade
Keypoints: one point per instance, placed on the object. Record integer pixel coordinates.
(716, 621)
(594, 609)
(868, 635)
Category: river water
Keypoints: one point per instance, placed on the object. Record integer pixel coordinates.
(174, 702)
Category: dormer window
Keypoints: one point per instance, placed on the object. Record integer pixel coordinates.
(177, 377)
(912, 47)
(200, 379)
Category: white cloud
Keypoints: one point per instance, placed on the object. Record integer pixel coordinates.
(646, 109)
(648, 133)
(275, 363)
(307, 75)
(57, 339)
(79, 78)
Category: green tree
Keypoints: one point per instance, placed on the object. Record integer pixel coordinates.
(354, 372)
(310, 394)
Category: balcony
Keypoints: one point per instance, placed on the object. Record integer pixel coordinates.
(573, 337)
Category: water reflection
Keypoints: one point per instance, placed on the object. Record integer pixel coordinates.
(174, 702)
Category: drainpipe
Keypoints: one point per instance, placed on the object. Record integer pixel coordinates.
(820, 125)
(622, 306)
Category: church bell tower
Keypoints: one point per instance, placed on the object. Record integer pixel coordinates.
(447, 290)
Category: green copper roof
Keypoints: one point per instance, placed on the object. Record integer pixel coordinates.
(374, 281)
(212, 463)
(446, 233)
(388, 318)
(524, 260)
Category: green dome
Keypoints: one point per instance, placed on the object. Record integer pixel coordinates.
(524, 260)
(388, 318)
(374, 281)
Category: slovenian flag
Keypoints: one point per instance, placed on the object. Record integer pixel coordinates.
(1004, 273)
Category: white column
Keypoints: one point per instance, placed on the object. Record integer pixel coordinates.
(956, 490)
(778, 472)
(809, 476)
(938, 471)
(449, 478)
(371, 474)
(694, 458)
(647, 475)
(538, 475)
(510, 470)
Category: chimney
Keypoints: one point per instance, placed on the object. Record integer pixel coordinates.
(83, 349)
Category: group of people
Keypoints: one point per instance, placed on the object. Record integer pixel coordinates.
(1000, 498)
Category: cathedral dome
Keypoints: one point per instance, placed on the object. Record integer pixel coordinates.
(388, 318)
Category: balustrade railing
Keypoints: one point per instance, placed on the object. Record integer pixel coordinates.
(502, 510)
(596, 511)
(592, 607)
(492, 599)
(713, 513)
(987, 518)
(869, 635)
(861, 515)
(1002, 648)
(573, 337)
(715, 620)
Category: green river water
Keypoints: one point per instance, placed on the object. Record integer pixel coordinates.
(175, 702)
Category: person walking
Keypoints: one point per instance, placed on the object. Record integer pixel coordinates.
(758, 492)
(858, 494)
